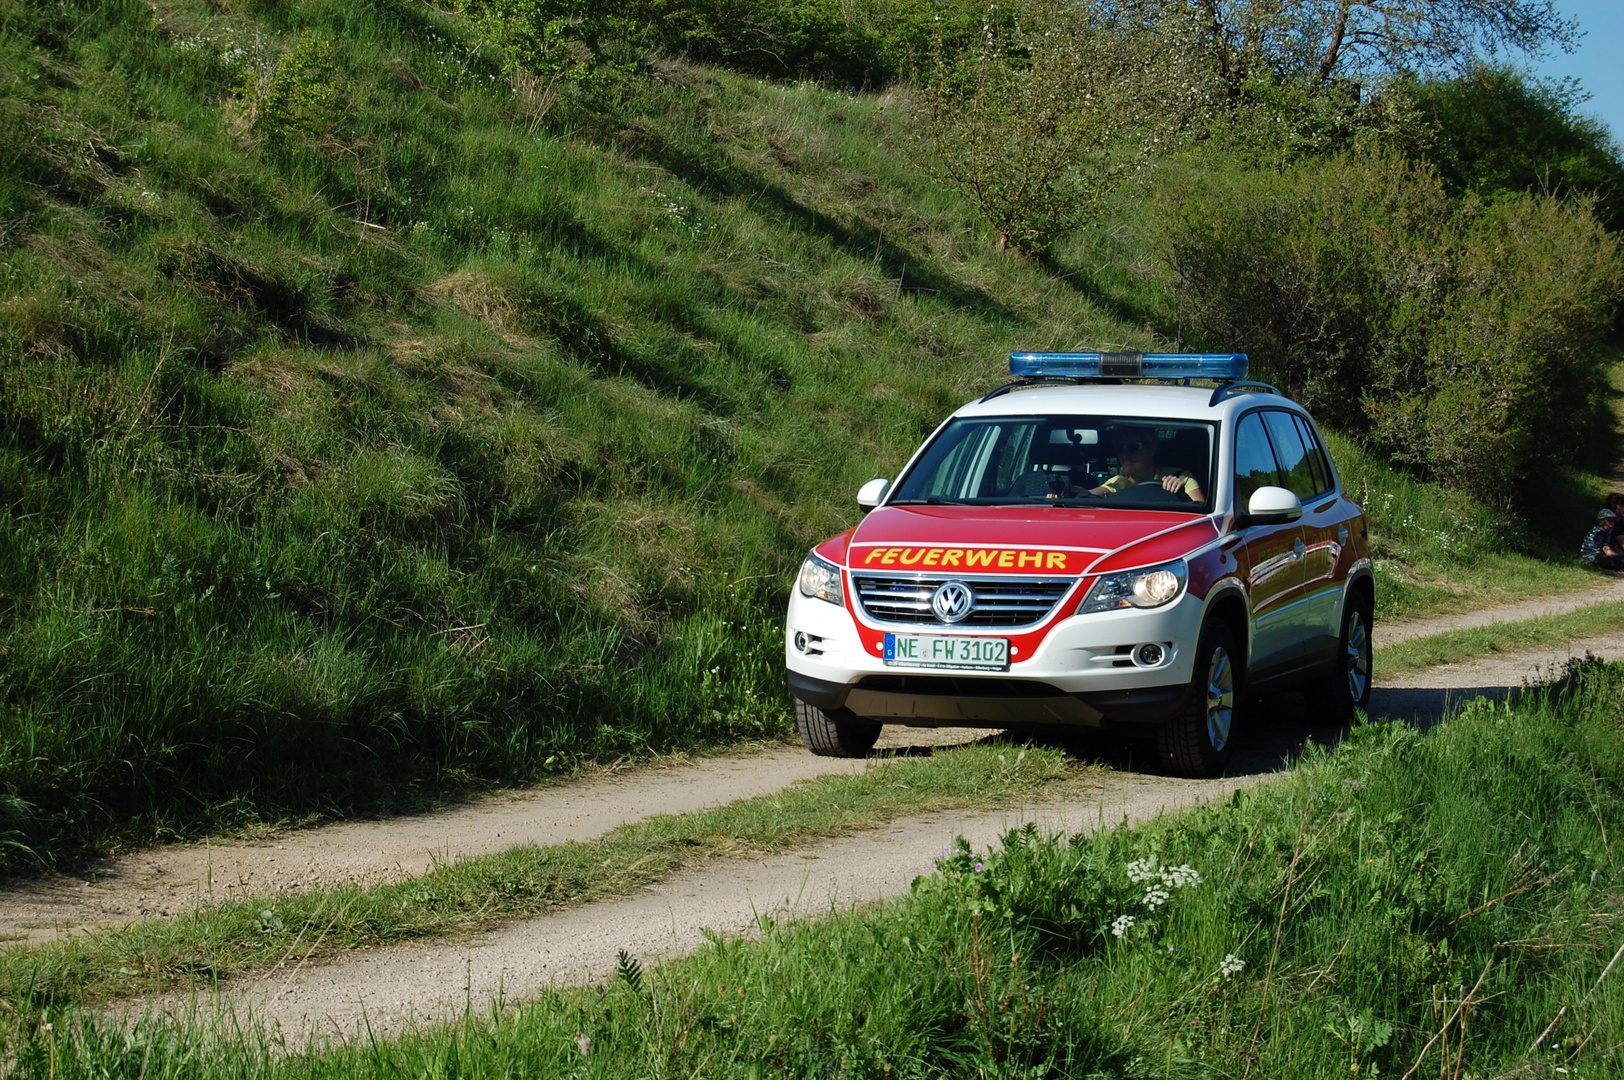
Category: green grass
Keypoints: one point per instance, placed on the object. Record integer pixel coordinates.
(420, 450)
(246, 936)
(1441, 904)
(415, 444)
(1457, 646)
(1440, 552)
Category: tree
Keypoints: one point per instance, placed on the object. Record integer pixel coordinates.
(1058, 103)
(1365, 41)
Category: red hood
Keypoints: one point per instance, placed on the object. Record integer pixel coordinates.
(1069, 539)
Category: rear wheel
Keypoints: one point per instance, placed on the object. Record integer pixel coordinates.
(1196, 742)
(1334, 698)
(830, 736)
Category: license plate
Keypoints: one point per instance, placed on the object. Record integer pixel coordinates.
(931, 650)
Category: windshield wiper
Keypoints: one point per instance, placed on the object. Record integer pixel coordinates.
(934, 500)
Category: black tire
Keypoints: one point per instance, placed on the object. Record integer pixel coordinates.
(1198, 740)
(1335, 698)
(828, 736)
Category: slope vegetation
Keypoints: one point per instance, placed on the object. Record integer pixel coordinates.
(372, 428)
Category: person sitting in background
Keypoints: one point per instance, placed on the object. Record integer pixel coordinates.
(1598, 549)
(1615, 503)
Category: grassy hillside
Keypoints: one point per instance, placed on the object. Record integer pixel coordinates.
(368, 432)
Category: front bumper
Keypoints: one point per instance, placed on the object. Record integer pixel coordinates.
(1083, 672)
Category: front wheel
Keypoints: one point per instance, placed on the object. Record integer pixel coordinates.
(1335, 698)
(829, 736)
(1197, 741)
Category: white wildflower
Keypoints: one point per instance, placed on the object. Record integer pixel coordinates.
(1156, 896)
(1142, 870)
(1231, 965)
(1123, 924)
(1182, 877)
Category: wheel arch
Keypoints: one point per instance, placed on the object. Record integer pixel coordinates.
(1361, 584)
(1229, 607)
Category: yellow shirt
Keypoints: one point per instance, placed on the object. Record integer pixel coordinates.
(1122, 482)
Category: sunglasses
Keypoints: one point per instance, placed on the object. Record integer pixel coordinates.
(1132, 447)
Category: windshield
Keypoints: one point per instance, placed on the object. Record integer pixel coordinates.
(1111, 461)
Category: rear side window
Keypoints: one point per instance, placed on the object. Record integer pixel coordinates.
(1254, 459)
(1318, 459)
(1292, 455)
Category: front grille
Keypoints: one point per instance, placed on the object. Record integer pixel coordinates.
(905, 599)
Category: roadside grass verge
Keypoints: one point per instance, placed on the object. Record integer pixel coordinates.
(1459, 646)
(256, 935)
(1406, 904)
(1438, 552)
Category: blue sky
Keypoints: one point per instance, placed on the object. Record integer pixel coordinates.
(1598, 62)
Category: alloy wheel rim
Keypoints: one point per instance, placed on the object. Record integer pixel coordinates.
(1357, 658)
(1220, 698)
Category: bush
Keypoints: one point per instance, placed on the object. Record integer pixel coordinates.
(1457, 336)
(1057, 105)
(862, 43)
(1493, 130)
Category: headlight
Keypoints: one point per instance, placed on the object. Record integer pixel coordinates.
(821, 579)
(1150, 587)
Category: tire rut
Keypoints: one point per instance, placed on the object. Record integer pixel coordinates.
(387, 990)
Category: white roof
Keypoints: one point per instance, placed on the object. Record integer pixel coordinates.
(1150, 400)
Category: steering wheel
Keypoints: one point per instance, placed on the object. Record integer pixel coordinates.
(1152, 491)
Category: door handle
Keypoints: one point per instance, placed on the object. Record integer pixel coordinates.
(1298, 548)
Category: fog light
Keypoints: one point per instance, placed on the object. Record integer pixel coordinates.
(800, 641)
(1150, 654)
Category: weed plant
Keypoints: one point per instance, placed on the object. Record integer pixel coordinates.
(1407, 904)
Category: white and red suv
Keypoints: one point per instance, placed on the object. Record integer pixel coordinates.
(1083, 547)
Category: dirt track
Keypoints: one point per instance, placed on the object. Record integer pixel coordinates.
(394, 987)
(400, 985)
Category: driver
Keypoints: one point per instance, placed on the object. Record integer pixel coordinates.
(1136, 452)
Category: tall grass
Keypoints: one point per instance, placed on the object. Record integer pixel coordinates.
(405, 445)
(1441, 904)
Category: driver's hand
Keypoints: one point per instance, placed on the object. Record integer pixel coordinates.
(1174, 484)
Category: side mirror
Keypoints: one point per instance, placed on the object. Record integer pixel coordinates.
(1271, 506)
(870, 494)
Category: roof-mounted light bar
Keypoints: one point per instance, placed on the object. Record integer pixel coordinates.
(1127, 365)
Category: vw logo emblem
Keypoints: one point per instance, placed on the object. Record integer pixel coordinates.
(952, 602)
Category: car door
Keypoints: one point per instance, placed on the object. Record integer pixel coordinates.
(1328, 521)
(1272, 554)
(1303, 472)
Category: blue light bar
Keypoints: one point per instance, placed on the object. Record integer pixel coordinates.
(1127, 365)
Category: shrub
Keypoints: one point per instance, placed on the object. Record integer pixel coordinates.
(1057, 105)
(1457, 336)
(862, 43)
(299, 96)
(1493, 129)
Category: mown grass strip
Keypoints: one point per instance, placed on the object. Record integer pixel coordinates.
(244, 936)
(1457, 646)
